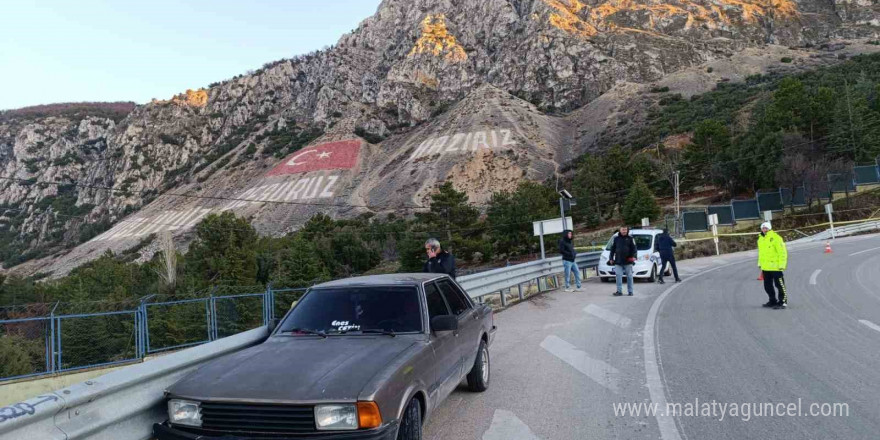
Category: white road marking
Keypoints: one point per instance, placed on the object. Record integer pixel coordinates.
(870, 324)
(608, 316)
(815, 276)
(668, 429)
(564, 323)
(507, 426)
(598, 371)
(864, 251)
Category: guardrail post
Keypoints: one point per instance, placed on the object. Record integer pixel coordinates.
(143, 327)
(267, 309)
(211, 314)
(519, 286)
(52, 349)
(503, 298)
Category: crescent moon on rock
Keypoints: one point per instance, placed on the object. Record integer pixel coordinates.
(292, 162)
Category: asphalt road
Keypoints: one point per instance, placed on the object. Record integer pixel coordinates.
(561, 362)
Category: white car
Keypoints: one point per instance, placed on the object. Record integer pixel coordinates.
(647, 264)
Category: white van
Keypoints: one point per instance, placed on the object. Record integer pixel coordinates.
(645, 268)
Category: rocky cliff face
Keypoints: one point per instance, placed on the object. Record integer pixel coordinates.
(473, 90)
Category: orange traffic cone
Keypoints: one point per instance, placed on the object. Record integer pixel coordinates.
(761, 276)
(828, 247)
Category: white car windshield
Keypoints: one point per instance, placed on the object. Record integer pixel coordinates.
(644, 242)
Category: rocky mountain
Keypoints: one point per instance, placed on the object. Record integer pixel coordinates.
(481, 92)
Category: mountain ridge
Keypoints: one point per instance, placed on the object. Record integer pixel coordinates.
(415, 71)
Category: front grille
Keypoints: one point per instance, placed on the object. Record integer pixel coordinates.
(257, 418)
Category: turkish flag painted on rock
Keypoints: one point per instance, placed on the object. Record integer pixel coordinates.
(342, 155)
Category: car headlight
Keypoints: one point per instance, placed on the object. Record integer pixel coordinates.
(184, 412)
(336, 417)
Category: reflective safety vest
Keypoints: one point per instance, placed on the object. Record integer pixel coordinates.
(772, 254)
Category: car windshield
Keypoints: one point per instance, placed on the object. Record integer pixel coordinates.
(356, 310)
(644, 242)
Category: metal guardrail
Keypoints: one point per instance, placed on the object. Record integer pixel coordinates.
(841, 231)
(497, 280)
(124, 404)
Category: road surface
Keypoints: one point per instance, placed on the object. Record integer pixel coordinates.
(563, 361)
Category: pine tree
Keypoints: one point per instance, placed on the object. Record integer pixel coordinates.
(639, 204)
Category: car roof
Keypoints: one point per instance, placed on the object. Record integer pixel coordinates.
(643, 231)
(403, 279)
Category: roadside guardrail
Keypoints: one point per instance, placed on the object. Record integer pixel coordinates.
(122, 405)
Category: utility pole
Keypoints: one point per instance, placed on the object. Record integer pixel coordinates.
(852, 127)
(675, 185)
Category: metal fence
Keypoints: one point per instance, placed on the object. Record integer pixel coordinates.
(39, 345)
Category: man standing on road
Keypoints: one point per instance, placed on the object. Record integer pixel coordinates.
(773, 260)
(623, 256)
(439, 261)
(665, 244)
(566, 248)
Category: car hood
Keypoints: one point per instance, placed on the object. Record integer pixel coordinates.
(294, 369)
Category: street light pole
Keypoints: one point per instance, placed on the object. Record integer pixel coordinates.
(562, 213)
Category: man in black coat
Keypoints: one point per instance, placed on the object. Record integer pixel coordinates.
(623, 257)
(566, 248)
(439, 261)
(665, 244)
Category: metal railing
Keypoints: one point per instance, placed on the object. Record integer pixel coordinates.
(122, 405)
(842, 231)
(59, 343)
(496, 281)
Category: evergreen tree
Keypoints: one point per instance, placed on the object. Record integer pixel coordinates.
(224, 252)
(510, 214)
(639, 204)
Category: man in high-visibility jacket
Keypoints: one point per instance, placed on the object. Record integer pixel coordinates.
(773, 259)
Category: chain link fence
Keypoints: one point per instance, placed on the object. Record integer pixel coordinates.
(45, 339)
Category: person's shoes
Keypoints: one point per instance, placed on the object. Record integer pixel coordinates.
(781, 306)
(630, 294)
(770, 304)
(567, 289)
(678, 280)
(661, 282)
(578, 289)
(618, 294)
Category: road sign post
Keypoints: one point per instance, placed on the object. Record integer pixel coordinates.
(713, 222)
(829, 208)
(541, 226)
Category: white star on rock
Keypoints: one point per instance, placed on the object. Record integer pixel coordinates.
(324, 155)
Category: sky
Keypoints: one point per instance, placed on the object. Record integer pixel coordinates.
(99, 50)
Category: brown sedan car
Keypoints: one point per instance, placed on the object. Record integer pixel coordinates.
(360, 358)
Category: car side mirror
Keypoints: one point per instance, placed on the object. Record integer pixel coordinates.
(273, 324)
(444, 323)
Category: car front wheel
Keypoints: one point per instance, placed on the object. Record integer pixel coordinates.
(411, 425)
(478, 378)
(653, 274)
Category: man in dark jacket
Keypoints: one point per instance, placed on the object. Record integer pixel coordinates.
(439, 261)
(623, 256)
(666, 246)
(566, 248)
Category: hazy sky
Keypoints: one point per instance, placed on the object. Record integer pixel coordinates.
(102, 50)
